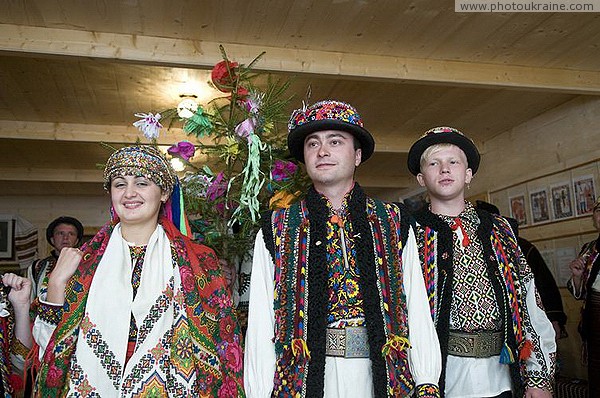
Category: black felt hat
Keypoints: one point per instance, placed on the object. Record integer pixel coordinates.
(443, 135)
(327, 115)
(64, 220)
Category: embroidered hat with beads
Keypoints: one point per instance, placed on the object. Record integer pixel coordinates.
(327, 115)
(443, 135)
(140, 160)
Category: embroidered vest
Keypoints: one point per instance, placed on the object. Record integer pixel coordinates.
(299, 254)
(501, 255)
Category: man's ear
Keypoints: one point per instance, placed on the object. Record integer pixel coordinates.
(420, 179)
(468, 175)
(357, 157)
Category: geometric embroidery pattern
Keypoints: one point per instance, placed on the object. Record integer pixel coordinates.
(159, 307)
(474, 306)
(113, 368)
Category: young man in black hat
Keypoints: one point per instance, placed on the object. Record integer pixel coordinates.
(337, 300)
(62, 232)
(495, 338)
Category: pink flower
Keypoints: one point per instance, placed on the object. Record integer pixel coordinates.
(217, 187)
(187, 279)
(245, 128)
(183, 149)
(283, 170)
(149, 124)
(54, 376)
(228, 388)
(234, 357)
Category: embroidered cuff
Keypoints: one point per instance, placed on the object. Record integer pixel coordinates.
(539, 382)
(19, 348)
(428, 391)
(49, 313)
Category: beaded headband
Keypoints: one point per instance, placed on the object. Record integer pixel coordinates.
(140, 160)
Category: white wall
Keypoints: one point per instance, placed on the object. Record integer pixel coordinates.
(93, 212)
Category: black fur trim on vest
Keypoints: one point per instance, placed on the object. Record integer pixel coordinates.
(484, 231)
(267, 230)
(368, 286)
(444, 288)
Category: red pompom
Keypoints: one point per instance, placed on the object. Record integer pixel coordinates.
(16, 382)
(525, 351)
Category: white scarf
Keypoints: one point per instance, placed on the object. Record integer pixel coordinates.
(99, 358)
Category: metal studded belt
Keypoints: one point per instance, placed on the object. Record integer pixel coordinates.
(349, 342)
(482, 344)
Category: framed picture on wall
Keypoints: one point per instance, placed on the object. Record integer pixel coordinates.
(517, 209)
(562, 201)
(585, 194)
(6, 237)
(540, 210)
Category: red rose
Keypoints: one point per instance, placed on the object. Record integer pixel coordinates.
(54, 377)
(228, 388)
(222, 78)
(227, 328)
(187, 279)
(234, 357)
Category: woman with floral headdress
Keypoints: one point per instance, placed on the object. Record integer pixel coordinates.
(140, 309)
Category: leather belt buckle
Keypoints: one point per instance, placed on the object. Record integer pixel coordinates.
(349, 342)
(482, 344)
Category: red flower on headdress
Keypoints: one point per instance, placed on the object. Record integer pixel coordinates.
(223, 75)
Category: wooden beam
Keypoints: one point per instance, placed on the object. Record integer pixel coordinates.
(54, 175)
(116, 134)
(198, 53)
(113, 134)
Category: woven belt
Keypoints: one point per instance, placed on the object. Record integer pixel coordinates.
(483, 344)
(349, 342)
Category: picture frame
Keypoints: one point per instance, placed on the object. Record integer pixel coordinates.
(585, 194)
(517, 209)
(6, 237)
(562, 201)
(540, 206)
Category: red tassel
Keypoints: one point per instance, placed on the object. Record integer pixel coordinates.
(525, 351)
(16, 382)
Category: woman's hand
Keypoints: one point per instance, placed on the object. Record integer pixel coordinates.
(20, 292)
(65, 267)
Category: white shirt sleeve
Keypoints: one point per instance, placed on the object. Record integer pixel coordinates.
(540, 364)
(259, 358)
(42, 330)
(424, 356)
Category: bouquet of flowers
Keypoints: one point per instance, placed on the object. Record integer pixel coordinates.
(248, 167)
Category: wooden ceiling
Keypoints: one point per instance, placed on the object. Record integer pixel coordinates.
(73, 73)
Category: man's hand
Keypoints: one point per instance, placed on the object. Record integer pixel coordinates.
(537, 393)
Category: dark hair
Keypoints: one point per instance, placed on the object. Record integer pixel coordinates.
(64, 220)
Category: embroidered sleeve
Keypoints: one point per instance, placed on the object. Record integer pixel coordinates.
(48, 312)
(540, 367)
(427, 391)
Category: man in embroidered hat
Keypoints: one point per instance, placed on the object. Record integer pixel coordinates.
(140, 309)
(495, 338)
(337, 301)
(585, 285)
